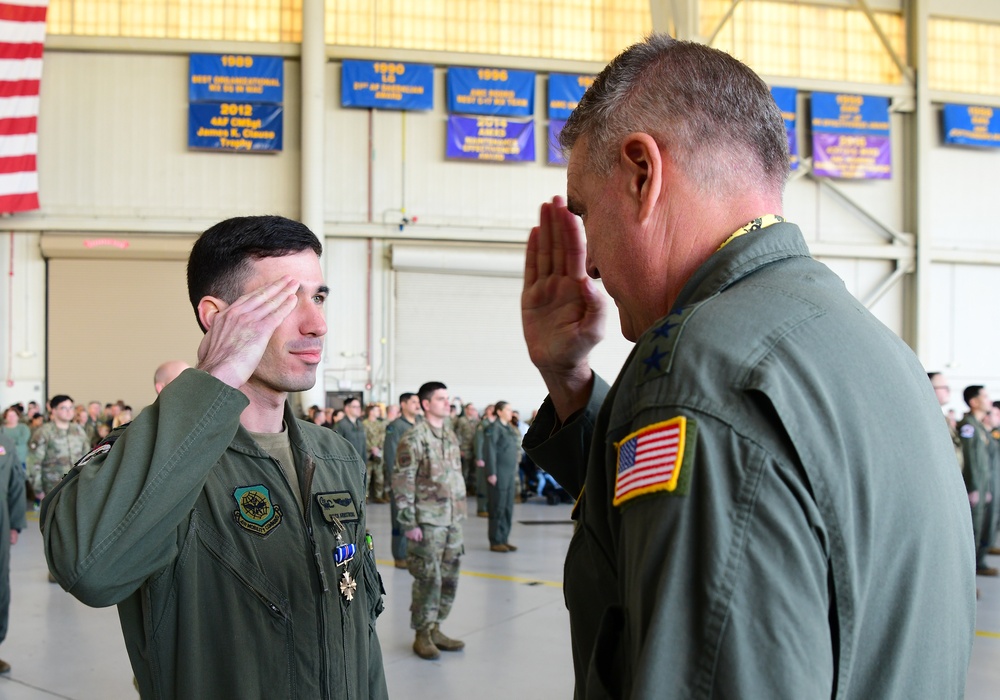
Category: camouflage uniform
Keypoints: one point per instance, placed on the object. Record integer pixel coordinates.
(53, 452)
(375, 437)
(465, 429)
(429, 491)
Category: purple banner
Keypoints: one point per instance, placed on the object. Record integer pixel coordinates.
(490, 138)
(851, 156)
(556, 156)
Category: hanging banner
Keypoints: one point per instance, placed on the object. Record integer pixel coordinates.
(565, 92)
(555, 150)
(232, 77)
(230, 126)
(851, 136)
(494, 91)
(490, 138)
(786, 98)
(387, 85)
(969, 125)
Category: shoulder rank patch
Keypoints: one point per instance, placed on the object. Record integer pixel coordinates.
(967, 431)
(255, 512)
(655, 458)
(655, 354)
(337, 505)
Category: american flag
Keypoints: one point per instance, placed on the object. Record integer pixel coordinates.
(649, 460)
(22, 35)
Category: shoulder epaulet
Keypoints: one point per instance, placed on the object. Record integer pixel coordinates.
(657, 347)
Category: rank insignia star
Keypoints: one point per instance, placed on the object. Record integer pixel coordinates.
(347, 587)
(653, 361)
(664, 330)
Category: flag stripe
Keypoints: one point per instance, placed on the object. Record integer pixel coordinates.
(19, 88)
(22, 13)
(19, 125)
(18, 164)
(18, 183)
(22, 32)
(18, 202)
(17, 107)
(18, 145)
(20, 68)
(21, 51)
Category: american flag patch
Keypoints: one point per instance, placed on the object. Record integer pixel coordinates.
(650, 459)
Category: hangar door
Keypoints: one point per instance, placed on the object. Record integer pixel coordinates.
(465, 330)
(112, 322)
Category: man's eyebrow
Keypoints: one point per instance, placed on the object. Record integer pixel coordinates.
(323, 289)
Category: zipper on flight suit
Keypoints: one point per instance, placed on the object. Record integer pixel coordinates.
(310, 471)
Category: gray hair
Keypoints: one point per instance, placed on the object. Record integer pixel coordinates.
(712, 114)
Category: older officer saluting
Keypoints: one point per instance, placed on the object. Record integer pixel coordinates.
(758, 515)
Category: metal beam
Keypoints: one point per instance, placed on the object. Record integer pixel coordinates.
(722, 22)
(903, 68)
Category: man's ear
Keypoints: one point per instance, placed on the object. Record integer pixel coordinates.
(643, 161)
(208, 309)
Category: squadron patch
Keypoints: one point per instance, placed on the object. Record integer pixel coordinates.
(967, 431)
(337, 505)
(655, 458)
(255, 512)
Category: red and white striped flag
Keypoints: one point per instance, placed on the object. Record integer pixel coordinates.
(22, 35)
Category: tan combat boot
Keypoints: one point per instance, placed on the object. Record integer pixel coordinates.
(423, 646)
(445, 643)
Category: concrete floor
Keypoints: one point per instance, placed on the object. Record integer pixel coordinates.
(509, 611)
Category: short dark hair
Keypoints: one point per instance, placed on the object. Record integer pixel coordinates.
(351, 399)
(428, 388)
(500, 405)
(405, 396)
(931, 375)
(219, 264)
(971, 392)
(58, 399)
(712, 113)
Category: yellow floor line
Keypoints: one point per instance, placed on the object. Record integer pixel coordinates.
(993, 635)
(499, 577)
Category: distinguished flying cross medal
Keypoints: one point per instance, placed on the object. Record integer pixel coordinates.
(342, 554)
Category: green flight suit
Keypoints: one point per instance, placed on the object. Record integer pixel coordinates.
(479, 453)
(810, 539)
(977, 473)
(12, 508)
(354, 433)
(502, 447)
(226, 586)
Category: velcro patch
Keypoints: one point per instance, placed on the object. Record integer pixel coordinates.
(967, 431)
(99, 450)
(338, 505)
(654, 459)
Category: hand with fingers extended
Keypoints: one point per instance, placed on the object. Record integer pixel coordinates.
(238, 333)
(561, 309)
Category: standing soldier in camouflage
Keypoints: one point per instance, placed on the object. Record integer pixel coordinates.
(409, 406)
(374, 439)
(56, 446)
(430, 493)
(465, 429)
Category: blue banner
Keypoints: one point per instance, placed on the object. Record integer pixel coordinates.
(969, 125)
(387, 85)
(555, 150)
(786, 98)
(236, 77)
(851, 136)
(494, 91)
(232, 126)
(565, 92)
(490, 138)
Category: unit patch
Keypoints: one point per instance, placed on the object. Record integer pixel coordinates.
(338, 505)
(255, 512)
(655, 458)
(967, 431)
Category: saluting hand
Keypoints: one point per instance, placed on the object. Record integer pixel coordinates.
(238, 333)
(561, 309)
